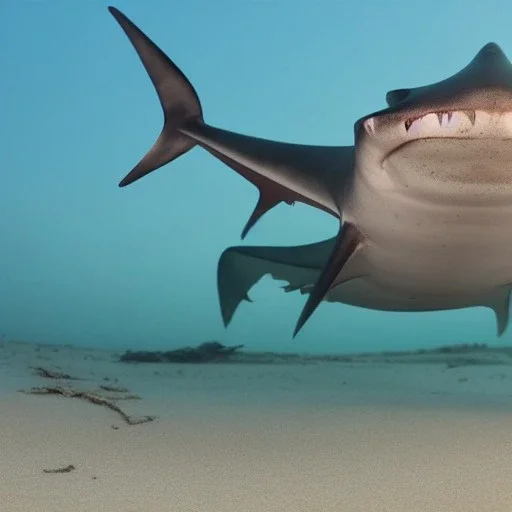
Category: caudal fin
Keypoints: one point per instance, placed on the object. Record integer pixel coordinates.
(178, 98)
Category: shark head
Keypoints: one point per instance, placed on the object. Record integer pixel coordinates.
(425, 128)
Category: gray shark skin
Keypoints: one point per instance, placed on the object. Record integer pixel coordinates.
(423, 197)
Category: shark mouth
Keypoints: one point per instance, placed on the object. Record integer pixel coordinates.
(451, 124)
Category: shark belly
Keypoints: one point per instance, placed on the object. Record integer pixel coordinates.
(425, 248)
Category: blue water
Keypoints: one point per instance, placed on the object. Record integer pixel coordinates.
(85, 262)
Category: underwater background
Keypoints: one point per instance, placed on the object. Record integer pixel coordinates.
(91, 274)
(87, 263)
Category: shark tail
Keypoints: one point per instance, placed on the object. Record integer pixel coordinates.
(180, 103)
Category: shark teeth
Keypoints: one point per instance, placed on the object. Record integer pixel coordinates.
(471, 115)
(444, 117)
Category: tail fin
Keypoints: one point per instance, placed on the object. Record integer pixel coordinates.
(178, 98)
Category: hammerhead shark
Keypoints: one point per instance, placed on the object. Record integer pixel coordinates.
(423, 196)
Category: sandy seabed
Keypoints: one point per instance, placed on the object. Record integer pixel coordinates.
(376, 434)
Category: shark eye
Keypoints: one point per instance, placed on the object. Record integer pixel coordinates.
(396, 96)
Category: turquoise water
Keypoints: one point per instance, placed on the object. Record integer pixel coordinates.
(85, 262)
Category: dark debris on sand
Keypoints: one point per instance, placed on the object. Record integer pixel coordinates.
(211, 351)
(47, 373)
(92, 398)
(65, 469)
(463, 354)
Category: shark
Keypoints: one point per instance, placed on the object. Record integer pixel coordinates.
(423, 196)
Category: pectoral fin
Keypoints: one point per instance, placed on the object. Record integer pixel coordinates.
(240, 268)
(348, 241)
